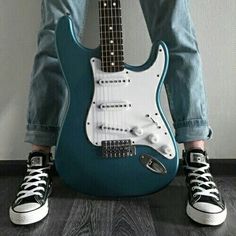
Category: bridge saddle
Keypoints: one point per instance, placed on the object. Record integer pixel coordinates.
(118, 148)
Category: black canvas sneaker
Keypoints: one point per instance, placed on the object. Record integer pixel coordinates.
(31, 203)
(205, 204)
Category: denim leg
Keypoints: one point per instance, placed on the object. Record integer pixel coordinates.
(170, 21)
(47, 87)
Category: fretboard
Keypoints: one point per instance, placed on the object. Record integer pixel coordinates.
(111, 38)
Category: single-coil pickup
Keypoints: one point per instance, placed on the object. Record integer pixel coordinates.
(115, 106)
(113, 82)
(112, 129)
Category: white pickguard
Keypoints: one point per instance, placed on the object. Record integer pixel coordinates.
(126, 107)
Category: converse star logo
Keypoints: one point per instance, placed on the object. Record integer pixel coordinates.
(197, 158)
(36, 161)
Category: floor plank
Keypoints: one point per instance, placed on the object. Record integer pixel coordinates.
(73, 214)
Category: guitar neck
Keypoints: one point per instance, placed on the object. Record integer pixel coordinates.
(111, 37)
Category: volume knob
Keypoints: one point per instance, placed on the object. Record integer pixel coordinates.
(153, 138)
(166, 149)
(137, 131)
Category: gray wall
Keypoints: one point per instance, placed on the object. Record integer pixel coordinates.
(216, 30)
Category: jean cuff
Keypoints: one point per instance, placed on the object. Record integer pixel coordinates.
(41, 135)
(192, 130)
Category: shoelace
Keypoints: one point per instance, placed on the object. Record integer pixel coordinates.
(34, 174)
(199, 172)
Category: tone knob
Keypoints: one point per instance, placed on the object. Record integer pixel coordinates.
(137, 131)
(153, 138)
(166, 149)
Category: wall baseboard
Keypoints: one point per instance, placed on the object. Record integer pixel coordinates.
(220, 167)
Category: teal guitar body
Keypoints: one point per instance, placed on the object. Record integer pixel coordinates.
(114, 140)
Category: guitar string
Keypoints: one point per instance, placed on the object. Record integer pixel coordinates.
(99, 88)
(116, 64)
(104, 72)
(120, 117)
(111, 63)
(119, 24)
(116, 61)
(107, 35)
(114, 56)
(118, 56)
(102, 96)
(119, 124)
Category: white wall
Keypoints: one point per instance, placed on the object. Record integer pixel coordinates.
(216, 31)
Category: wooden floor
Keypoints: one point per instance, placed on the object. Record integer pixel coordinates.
(160, 214)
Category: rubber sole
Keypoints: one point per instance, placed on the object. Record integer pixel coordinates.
(204, 218)
(30, 217)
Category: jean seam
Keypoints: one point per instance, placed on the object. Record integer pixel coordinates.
(190, 24)
(40, 125)
(39, 131)
(191, 123)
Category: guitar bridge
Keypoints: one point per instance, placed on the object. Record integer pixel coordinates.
(118, 148)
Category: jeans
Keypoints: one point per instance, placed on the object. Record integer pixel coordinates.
(167, 20)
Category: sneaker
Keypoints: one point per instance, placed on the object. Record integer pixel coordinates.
(205, 204)
(31, 203)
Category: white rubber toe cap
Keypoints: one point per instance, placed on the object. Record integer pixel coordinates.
(28, 213)
(206, 217)
(27, 207)
(207, 207)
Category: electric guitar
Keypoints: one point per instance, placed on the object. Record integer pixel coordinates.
(115, 140)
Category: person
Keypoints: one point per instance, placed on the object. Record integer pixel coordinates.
(169, 21)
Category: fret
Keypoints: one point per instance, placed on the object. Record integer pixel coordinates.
(111, 8)
(105, 24)
(110, 28)
(113, 69)
(109, 70)
(110, 20)
(112, 63)
(110, 14)
(111, 58)
(109, 17)
(111, 35)
(111, 31)
(116, 58)
(106, 48)
(119, 64)
(112, 43)
(115, 41)
(118, 48)
(109, 61)
(117, 55)
(109, 3)
(119, 60)
(116, 66)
